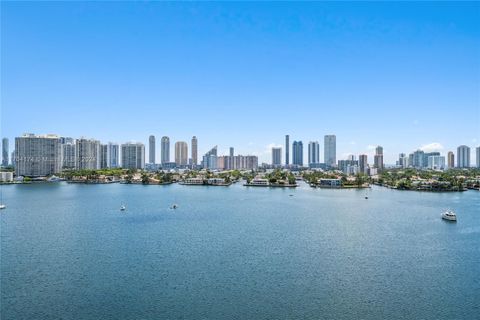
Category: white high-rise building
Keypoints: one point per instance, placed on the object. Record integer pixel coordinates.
(68, 155)
(436, 162)
(133, 155)
(181, 153)
(38, 156)
(87, 154)
(330, 150)
(463, 157)
(165, 150)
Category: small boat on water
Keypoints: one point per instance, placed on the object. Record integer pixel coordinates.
(2, 206)
(123, 207)
(449, 215)
(174, 206)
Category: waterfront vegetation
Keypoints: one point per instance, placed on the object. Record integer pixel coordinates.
(280, 177)
(422, 180)
(395, 178)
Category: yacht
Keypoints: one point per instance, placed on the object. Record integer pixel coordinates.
(123, 207)
(449, 215)
(2, 206)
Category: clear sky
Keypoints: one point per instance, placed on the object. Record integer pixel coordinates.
(400, 75)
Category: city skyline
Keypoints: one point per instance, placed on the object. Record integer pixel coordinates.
(340, 69)
(96, 153)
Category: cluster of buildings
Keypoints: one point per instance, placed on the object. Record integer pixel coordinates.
(43, 155)
(351, 166)
(435, 161)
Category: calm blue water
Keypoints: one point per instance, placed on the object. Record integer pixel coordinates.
(67, 252)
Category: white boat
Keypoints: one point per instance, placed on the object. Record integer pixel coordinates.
(2, 206)
(449, 215)
(123, 207)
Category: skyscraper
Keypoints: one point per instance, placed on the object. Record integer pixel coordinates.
(181, 153)
(165, 150)
(103, 156)
(210, 159)
(297, 149)
(287, 150)
(330, 150)
(451, 160)
(232, 152)
(363, 163)
(68, 155)
(133, 155)
(194, 151)
(5, 152)
(38, 156)
(463, 157)
(313, 153)
(378, 158)
(477, 154)
(113, 156)
(276, 157)
(418, 159)
(87, 154)
(151, 149)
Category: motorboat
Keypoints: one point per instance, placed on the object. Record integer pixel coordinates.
(174, 206)
(2, 206)
(449, 215)
(123, 207)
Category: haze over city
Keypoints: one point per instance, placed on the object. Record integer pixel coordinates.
(245, 74)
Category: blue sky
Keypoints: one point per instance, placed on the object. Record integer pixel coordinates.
(400, 75)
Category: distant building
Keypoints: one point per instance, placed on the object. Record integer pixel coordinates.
(232, 152)
(348, 166)
(113, 155)
(194, 151)
(477, 153)
(151, 149)
(436, 162)
(402, 160)
(363, 163)
(87, 154)
(210, 159)
(5, 152)
(313, 153)
(165, 150)
(426, 156)
(6, 176)
(38, 156)
(181, 153)
(378, 158)
(330, 150)
(463, 157)
(276, 157)
(418, 159)
(103, 156)
(68, 155)
(133, 155)
(451, 160)
(287, 150)
(240, 162)
(297, 149)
